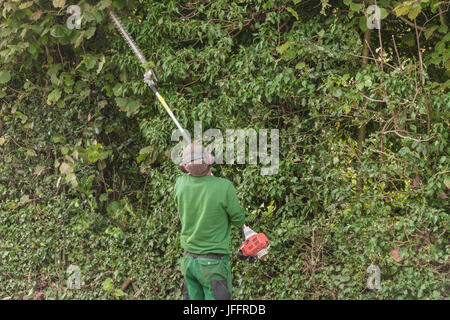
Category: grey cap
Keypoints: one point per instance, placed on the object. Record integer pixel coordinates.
(195, 158)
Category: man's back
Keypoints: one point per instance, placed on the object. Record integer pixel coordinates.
(207, 206)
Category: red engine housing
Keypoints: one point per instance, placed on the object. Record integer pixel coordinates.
(253, 245)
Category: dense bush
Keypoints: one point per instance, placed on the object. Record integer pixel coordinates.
(363, 117)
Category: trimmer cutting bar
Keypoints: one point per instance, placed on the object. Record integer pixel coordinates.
(150, 75)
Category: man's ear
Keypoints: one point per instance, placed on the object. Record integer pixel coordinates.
(211, 158)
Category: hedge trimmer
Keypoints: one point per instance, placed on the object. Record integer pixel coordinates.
(150, 75)
(255, 245)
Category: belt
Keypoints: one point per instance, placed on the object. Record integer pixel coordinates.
(209, 255)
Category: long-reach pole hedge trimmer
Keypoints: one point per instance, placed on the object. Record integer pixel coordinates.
(255, 245)
(150, 75)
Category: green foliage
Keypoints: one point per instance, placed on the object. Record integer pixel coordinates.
(85, 178)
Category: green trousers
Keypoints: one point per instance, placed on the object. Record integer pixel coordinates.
(206, 278)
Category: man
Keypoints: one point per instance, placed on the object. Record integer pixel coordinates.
(208, 206)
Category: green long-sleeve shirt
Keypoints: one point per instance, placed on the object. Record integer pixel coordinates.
(208, 206)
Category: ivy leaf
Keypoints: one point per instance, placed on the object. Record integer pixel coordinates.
(22, 116)
(65, 168)
(72, 179)
(356, 6)
(395, 254)
(117, 90)
(33, 49)
(118, 293)
(293, 12)
(133, 106)
(39, 169)
(90, 32)
(337, 92)
(402, 10)
(383, 13)
(36, 15)
(412, 14)
(360, 85)
(102, 104)
(89, 61)
(105, 4)
(100, 64)
(447, 183)
(429, 31)
(107, 284)
(79, 39)
(122, 103)
(53, 96)
(68, 80)
(24, 199)
(346, 108)
(113, 207)
(59, 3)
(443, 28)
(290, 54)
(300, 65)
(145, 150)
(53, 73)
(282, 49)
(119, 4)
(26, 5)
(4, 76)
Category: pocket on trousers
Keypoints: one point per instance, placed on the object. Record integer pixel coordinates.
(212, 269)
(220, 290)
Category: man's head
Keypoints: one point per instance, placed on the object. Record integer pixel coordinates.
(197, 160)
